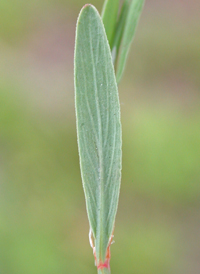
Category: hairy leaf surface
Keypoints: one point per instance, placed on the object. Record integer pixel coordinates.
(98, 126)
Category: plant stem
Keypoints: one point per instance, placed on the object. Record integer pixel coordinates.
(104, 271)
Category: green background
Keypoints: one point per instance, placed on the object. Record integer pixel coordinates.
(43, 222)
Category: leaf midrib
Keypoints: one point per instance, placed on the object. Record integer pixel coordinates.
(100, 142)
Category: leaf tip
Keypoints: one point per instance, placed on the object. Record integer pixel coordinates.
(85, 9)
(86, 5)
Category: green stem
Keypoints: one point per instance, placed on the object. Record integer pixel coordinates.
(104, 271)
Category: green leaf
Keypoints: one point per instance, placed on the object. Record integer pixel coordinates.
(133, 16)
(119, 30)
(98, 126)
(109, 17)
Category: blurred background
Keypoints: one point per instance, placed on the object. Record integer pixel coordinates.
(43, 222)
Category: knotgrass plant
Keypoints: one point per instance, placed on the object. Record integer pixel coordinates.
(101, 49)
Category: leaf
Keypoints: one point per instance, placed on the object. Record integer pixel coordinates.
(98, 126)
(119, 30)
(133, 15)
(109, 17)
